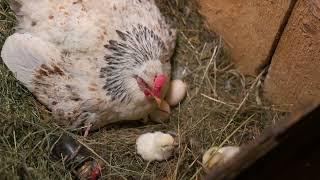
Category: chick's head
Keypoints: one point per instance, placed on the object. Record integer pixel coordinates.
(166, 142)
(153, 80)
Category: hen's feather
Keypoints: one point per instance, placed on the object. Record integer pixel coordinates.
(24, 53)
(85, 25)
(79, 57)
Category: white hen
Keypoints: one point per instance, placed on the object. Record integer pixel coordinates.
(92, 61)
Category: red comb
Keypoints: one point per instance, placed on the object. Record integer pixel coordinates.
(159, 81)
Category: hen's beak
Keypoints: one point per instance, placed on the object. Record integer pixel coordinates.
(158, 101)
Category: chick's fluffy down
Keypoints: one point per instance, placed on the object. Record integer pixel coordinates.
(155, 146)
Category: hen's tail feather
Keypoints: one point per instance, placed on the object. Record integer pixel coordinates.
(24, 53)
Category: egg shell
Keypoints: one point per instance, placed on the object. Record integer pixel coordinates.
(177, 92)
(216, 155)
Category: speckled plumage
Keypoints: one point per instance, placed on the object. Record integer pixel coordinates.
(80, 57)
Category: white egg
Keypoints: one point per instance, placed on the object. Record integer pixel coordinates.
(176, 93)
(215, 155)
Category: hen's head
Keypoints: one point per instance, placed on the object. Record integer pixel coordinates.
(138, 66)
(152, 80)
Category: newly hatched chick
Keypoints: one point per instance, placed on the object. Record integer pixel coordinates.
(155, 146)
(217, 155)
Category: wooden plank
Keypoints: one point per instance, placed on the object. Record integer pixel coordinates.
(289, 150)
(294, 75)
(249, 28)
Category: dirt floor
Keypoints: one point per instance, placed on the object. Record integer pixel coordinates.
(222, 107)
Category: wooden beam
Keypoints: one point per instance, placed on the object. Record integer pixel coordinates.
(289, 150)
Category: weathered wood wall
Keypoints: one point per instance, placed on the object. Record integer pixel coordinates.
(283, 32)
(294, 74)
(249, 28)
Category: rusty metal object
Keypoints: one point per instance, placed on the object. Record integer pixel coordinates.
(89, 170)
(289, 150)
(77, 158)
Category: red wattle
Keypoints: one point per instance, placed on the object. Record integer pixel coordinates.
(159, 82)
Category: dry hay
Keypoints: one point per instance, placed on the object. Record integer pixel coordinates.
(222, 107)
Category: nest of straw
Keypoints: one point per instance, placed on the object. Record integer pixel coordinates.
(222, 107)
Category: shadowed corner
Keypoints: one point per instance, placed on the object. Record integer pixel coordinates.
(287, 151)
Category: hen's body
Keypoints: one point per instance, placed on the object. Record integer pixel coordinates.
(79, 58)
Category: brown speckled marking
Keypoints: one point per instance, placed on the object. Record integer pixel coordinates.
(75, 111)
(33, 23)
(45, 67)
(76, 2)
(92, 89)
(68, 86)
(54, 103)
(75, 98)
(93, 84)
(51, 17)
(60, 117)
(56, 69)
(101, 37)
(41, 85)
(38, 76)
(44, 70)
(60, 112)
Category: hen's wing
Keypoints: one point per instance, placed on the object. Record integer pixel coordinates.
(42, 69)
(26, 56)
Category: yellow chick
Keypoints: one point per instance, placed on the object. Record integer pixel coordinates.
(155, 146)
